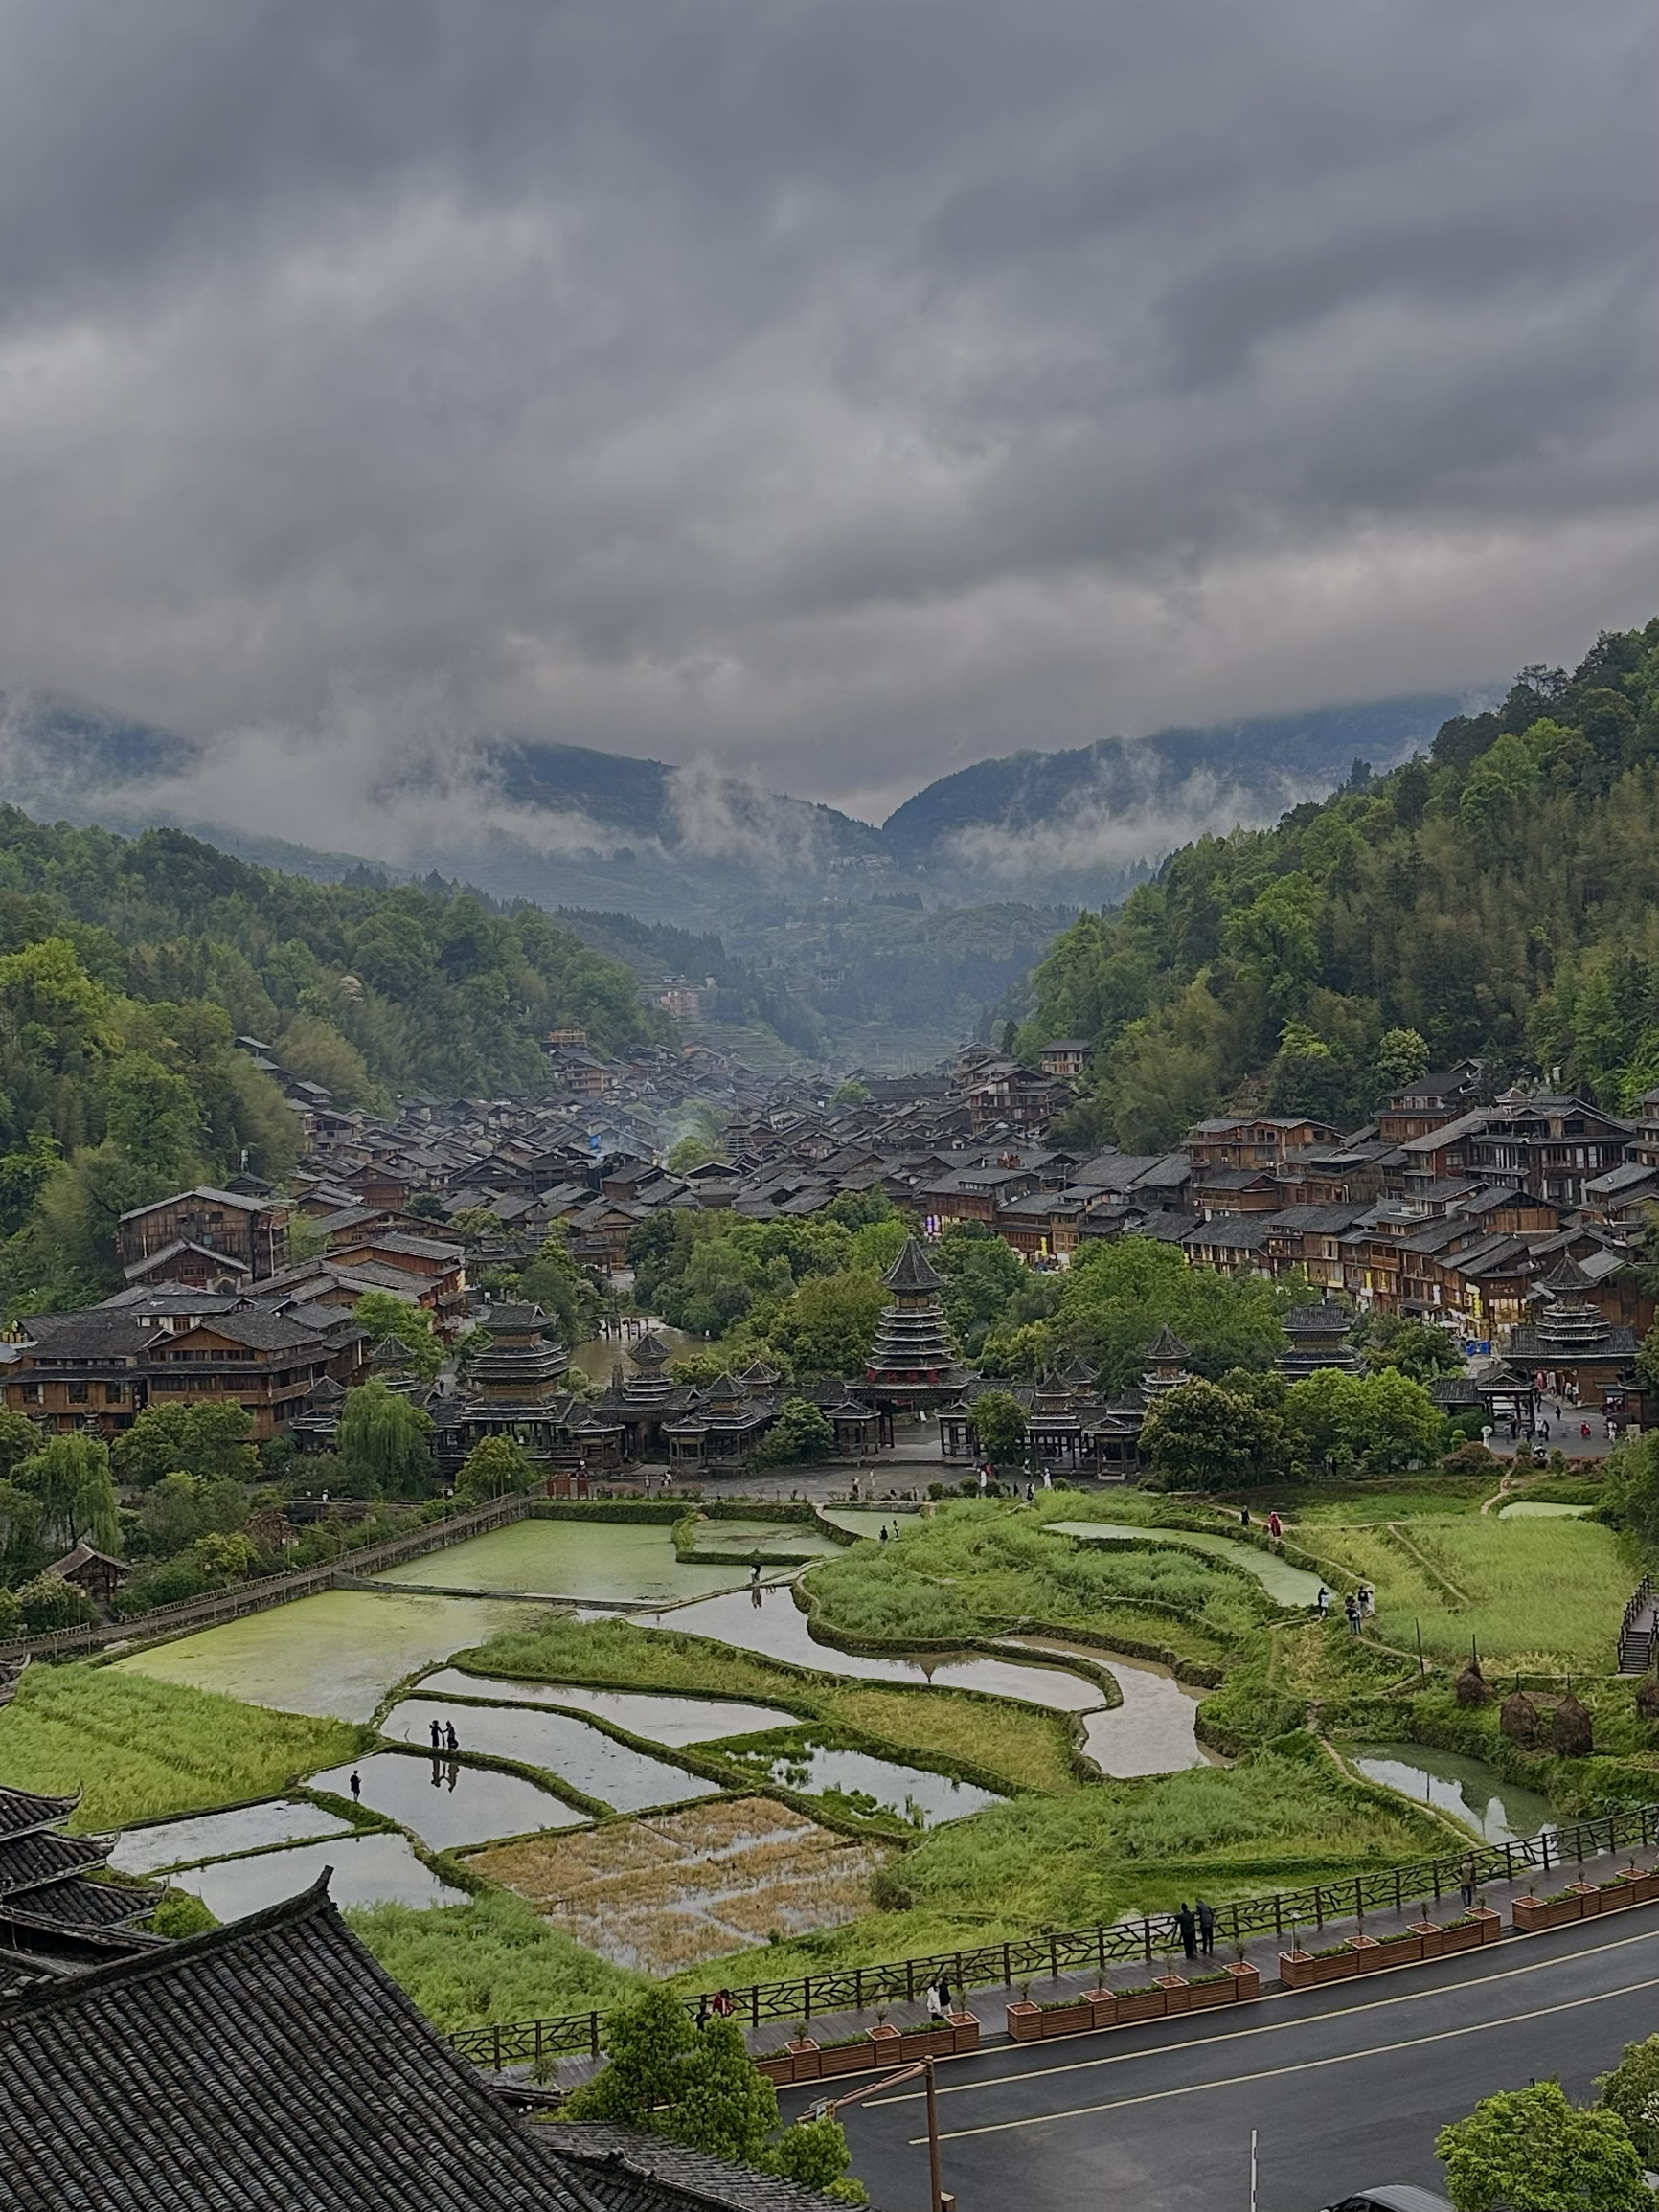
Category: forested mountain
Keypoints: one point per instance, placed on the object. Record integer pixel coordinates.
(127, 966)
(1499, 895)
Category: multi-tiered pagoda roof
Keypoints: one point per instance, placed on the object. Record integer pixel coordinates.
(913, 1361)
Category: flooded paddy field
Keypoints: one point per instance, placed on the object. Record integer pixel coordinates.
(367, 1870)
(673, 1892)
(777, 1628)
(598, 1562)
(335, 1655)
(559, 1744)
(447, 1802)
(913, 1794)
(1495, 1810)
(219, 1835)
(661, 1718)
(796, 1537)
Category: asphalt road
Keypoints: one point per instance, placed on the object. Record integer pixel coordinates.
(1346, 2088)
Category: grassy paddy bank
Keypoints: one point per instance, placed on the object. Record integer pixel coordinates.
(140, 1749)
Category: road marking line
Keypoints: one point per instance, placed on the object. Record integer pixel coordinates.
(1264, 2027)
(1297, 2066)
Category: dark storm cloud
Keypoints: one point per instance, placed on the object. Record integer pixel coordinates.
(838, 388)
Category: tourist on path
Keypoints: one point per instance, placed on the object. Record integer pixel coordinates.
(1467, 1877)
(1188, 1928)
(437, 1736)
(945, 1996)
(356, 1787)
(1275, 1526)
(1245, 1517)
(935, 2011)
(1322, 1603)
(1205, 1929)
(1350, 1607)
(452, 1742)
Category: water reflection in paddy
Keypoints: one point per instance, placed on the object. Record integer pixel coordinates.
(560, 1745)
(612, 1561)
(663, 1718)
(367, 1870)
(1471, 1791)
(211, 1834)
(778, 1629)
(1289, 1585)
(815, 1769)
(336, 1653)
(447, 1802)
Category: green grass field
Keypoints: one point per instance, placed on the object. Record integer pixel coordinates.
(977, 1570)
(140, 1749)
(1536, 1595)
(494, 1959)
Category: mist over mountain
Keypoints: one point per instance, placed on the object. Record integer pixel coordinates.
(570, 825)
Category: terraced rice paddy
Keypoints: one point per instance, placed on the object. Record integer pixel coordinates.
(1151, 1732)
(661, 1719)
(913, 1794)
(793, 1538)
(337, 1653)
(590, 1761)
(366, 1870)
(668, 1893)
(217, 1834)
(778, 1629)
(594, 1561)
(1283, 1582)
(1473, 1794)
(447, 1802)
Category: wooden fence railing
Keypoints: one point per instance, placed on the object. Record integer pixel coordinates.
(1031, 1958)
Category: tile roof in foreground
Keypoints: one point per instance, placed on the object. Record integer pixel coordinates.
(272, 2065)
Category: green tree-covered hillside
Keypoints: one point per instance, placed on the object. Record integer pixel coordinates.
(1496, 895)
(126, 966)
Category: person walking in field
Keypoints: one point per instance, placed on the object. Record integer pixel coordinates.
(356, 1787)
(1275, 1526)
(1322, 1603)
(1350, 1607)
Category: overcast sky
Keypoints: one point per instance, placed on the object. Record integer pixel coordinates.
(841, 390)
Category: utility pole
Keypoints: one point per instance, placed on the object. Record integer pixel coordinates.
(940, 2202)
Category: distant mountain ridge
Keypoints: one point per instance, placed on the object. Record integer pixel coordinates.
(569, 824)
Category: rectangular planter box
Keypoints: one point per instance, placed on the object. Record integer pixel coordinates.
(1102, 2008)
(844, 2058)
(779, 2066)
(933, 2043)
(1366, 1949)
(1531, 1915)
(1490, 1923)
(1407, 1949)
(1461, 1935)
(1147, 2004)
(884, 2043)
(805, 2055)
(964, 2032)
(1200, 1994)
(1246, 1982)
(1066, 2020)
(1177, 1990)
(1025, 2022)
(1303, 1970)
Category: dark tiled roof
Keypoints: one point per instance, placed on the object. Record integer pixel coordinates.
(22, 1811)
(615, 2162)
(912, 1270)
(265, 2067)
